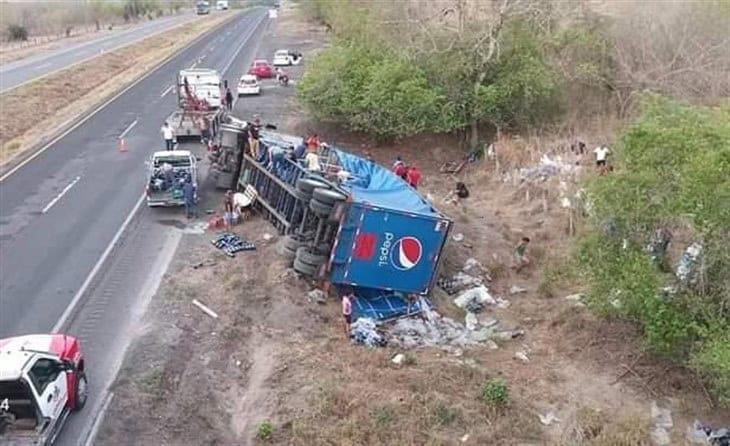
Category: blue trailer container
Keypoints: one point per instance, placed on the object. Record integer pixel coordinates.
(390, 238)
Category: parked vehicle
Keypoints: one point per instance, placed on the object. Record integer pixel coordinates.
(42, 380)
(202, 7)
(167, 172)
(221, 5)
(261, 69)
(249, 84)
(203, 82)
(286, 58)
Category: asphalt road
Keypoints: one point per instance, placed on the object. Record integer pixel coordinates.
(27, 69)
(59, 213)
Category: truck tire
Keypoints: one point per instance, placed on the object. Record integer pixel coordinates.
(82, 390)
(302, 196)
(328, 196)
(283, 250)
(322, 210)
(304, 256)
(304, 268)
(293, 242)
(307, 185)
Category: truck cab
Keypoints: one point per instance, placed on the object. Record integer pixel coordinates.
(202, 7)
(204, 83)
(167, 173)
(42, 380)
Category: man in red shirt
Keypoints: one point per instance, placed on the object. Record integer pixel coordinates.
(313, 142)
(413, 176)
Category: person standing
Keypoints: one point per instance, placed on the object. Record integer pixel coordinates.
(601, 157)
(189, 195)
(167, 135)
(413, 176)
(347, 299)
(313, 142)
(521, 259)
(228, 209)
(229, 99)
(253, 138)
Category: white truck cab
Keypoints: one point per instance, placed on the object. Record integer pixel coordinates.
(203, 82)
(286, 58)
(42, 380)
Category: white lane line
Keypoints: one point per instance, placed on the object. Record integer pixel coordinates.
(42, 66)
(238, 50)
(99, 418)
(167, 90)
(82, 120)
(94, 271)
(131, 126)
(58, 197)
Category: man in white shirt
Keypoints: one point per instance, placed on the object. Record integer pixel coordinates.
(168, 135)
(601, 156)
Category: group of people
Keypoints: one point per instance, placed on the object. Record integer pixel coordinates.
(410, 174)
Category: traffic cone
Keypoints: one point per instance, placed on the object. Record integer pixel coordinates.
(122, 145)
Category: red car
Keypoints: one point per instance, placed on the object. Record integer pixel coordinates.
(261, 69)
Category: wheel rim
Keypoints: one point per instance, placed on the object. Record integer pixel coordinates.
(83, 390)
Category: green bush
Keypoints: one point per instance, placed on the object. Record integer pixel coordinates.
(265, 430)
(17, 33)
(671, 172)
(495, 393)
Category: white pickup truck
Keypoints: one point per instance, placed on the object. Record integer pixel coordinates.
(167, 173)
(42, 380)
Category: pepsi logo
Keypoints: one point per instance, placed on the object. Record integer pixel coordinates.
(406, 253)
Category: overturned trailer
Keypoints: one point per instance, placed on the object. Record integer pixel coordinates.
(355, 223)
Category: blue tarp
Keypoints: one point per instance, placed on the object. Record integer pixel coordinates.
(374, 184)
(381, 305)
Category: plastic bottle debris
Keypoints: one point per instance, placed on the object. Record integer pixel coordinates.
(522, 356)
(471, 321)
(548, 419)
(465, 438)
(514, 289)
(317, 296)
(398, 359)
(458, 237)
(475, 297)
(663, 424)
(363, 331)
(575, 297)
(687, 268)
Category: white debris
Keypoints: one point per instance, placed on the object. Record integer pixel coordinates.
(663, 424)
(268, 236)
(522, 356)
(398, 359)
(502, 303)
(317, 296)
(465, 438)
(437, 330)
(514, 289)
(458, 237)
(491, 345)
(471, 321)
(574, 297)
(548, 419)
(687, 268)
(474, 296)
(616, 303)
(473, 263)
(205, 309)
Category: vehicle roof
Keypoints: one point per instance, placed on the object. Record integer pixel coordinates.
(16, 352)
(171, 153)
(260, 61)
(249, 77)
(282, 51)
(199, 71)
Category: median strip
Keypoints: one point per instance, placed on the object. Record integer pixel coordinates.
(36, 112)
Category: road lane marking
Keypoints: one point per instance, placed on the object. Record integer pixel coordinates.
(238, 50)
(42, 66)
(131, 126)
(99, 418)
(167, 90)
(82, 120)
(58, 197)
(94, 271)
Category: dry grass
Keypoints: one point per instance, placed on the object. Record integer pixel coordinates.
(54, 101)
(592, 427)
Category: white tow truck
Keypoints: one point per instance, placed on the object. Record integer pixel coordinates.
(42, 380)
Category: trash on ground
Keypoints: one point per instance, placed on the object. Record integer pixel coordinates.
(203, 263)
(548, 419)
(474, 299)
(522, 356)
(548, 167)
(502, 303)
(471, 321)
(491, 345)
(514, 289)
(267, 236)
(398, 359)
(317, 296)
(575, 297)
(465, 438)
(506, 335)
(458, 237)
(205, 309)
(364, 331)
(434, 331)
(687, 269)
(474, 267)
(458, 282)
(704, 434)
(663, 424)
(232, 243)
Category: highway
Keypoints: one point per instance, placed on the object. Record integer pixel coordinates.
(24, 70)
(77, 209)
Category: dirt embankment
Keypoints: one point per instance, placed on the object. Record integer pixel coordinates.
(34, 112)
(275, 357)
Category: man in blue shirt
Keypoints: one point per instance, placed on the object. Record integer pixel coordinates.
(189, 195)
